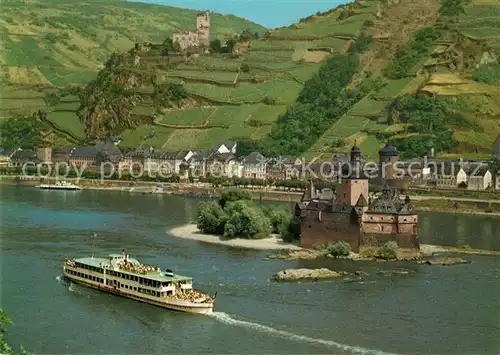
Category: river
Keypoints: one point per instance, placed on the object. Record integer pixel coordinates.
(397, 308)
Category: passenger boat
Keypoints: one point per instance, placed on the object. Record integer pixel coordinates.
(125, 276)
(60, 185)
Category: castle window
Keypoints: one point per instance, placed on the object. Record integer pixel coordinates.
(405, 219)
(309, 226)
(382, 227)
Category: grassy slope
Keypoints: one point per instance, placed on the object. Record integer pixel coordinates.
(278, 67)
(57, 43)
(477, 101)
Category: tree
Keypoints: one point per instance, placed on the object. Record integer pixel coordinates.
(21, 132)
(211, 218)
(51, 98)
(4, 347)
(453, 8)
(292, 231)
(246, 220)
(216, 45)
(170, 46)
(234, 194)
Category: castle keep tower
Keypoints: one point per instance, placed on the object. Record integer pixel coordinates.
(203, 28)
(354, 182)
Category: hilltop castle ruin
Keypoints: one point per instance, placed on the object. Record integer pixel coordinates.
(200, 38)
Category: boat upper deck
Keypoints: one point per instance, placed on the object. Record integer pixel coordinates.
(131, 266)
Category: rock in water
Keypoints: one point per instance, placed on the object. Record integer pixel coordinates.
(446, 261)
(306, 274)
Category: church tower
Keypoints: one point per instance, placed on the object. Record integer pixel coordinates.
(354, 183)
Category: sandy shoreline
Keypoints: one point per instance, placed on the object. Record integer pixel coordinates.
(190, 231)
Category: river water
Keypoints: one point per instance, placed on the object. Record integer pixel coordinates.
(396, 308)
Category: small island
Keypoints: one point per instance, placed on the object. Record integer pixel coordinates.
(235, 219)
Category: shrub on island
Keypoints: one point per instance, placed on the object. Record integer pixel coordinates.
(236, 215)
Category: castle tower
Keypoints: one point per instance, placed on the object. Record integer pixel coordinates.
(203, 28)
(354, 181)
(388, 157)
(44, 154)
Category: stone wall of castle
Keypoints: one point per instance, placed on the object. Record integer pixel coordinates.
(195, 39)
(320, 228)
(186, 39)
(377, 229)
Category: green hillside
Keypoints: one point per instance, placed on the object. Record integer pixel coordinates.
(237, 95)
(47, 44)
(418, 73)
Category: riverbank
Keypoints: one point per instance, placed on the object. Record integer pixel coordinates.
(205, 190)
(190, 231)
(288, 251)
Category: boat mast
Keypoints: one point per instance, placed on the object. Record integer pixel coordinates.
(93, 244)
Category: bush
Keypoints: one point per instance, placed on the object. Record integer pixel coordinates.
(338, 249)
(51, 37)
(211, 218)
(387, 251)
(488, 74)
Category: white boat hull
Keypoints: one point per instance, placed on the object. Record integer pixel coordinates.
(173, 304)
(55, 187)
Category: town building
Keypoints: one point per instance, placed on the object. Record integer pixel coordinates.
(61, 155)
(198, 38)
(281, 168)
(85, 156)
(482, 179)
(6, 156)
(24, 158)
(223, 165)
(254, 166)
(352, 216)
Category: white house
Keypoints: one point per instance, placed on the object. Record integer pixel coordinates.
(482, 180)
(461, 177)
(226, 147)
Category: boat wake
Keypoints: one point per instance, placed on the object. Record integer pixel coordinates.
(227, 319)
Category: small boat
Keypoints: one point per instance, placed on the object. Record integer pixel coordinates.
(60, 185)
(124, 276)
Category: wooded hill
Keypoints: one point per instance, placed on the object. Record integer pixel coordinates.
(418, 73)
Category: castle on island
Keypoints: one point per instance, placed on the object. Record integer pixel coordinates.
(198, 38)
(350, 214)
